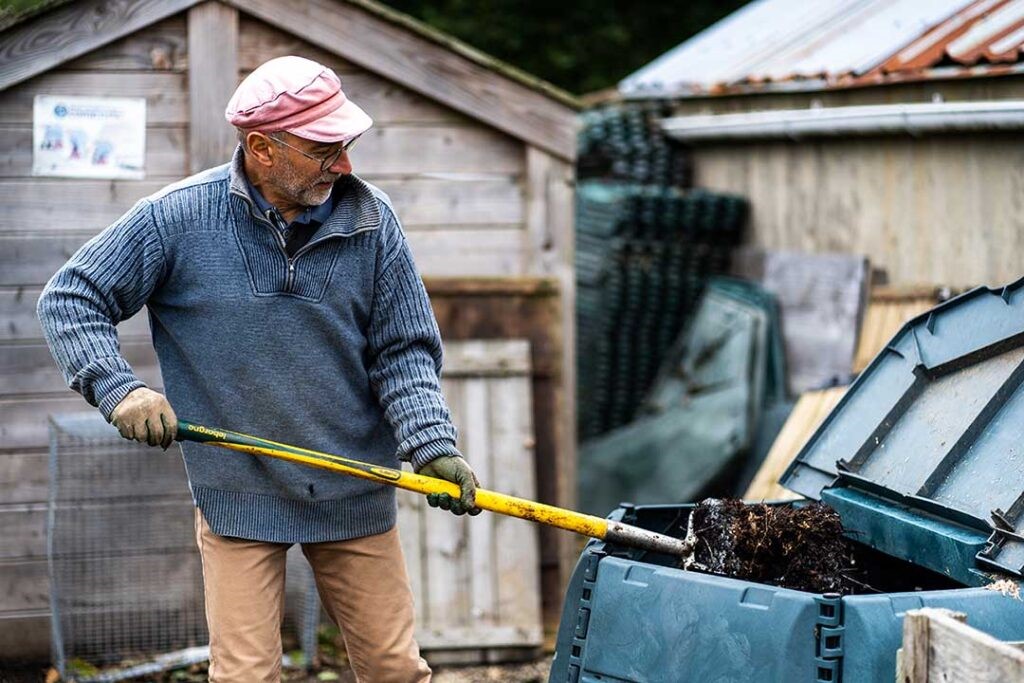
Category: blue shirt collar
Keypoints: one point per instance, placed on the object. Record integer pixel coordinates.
(312, 214)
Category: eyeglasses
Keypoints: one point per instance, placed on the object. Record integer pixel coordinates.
(325, 161)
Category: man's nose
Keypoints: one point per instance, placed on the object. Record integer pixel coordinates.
(343, 165)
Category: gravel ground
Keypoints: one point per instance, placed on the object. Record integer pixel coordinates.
(530, 672)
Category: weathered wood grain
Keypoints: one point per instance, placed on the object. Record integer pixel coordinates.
(938, 646)
(162, 46)
(213, 69)
(418, 64)
(492, 358)
(127, 528)
(476, 579)
(166, 93)
(944, 210)
(28, 368)
(468, 252)
(259, 42)
(90, 205)
(25, 425)
(47, 207)
(24, 476)
(25, 635)
(810, 411)
(18, 320)
(31, 260)
(440, 151)
(73, 30)
(437, 149)
(387, 102)
(166, 152)
(26, 585)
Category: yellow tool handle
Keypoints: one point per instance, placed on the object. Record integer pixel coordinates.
(588, 525)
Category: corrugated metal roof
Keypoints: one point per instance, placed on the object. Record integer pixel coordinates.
(801, 45)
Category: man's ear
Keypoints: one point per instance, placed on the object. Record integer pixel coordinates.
(259, 147)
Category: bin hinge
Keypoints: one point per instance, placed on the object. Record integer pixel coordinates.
(829, 633)
(579, 636)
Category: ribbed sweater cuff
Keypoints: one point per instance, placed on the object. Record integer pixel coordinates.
(111, 390)
(430, 451)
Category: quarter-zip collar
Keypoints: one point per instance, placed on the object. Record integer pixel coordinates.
(356, 207)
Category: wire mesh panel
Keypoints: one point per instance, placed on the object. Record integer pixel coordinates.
(126, 579)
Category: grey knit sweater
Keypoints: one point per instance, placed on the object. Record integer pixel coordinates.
(334, 349)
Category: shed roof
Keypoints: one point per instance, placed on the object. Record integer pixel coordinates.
(470, 81)
(794, 45)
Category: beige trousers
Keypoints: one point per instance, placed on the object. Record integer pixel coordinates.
(362, 583)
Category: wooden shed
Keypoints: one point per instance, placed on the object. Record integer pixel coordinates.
(477, 158)
(891, 129)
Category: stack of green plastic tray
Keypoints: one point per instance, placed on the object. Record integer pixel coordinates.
(643, 254)
(703, 412)
(624, 141)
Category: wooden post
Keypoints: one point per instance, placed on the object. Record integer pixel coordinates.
(212, 77)
(550, 227)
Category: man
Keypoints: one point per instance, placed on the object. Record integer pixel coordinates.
(283, 301)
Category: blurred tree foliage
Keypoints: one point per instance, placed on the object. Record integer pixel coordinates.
(582, 45)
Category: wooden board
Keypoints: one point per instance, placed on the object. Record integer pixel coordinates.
(495, 252)
(938, 647)
(162, 46)
(18, 320)
(464, 251)
(550, 183)
(531, 308)
(476, 580)
(810, 411)
(394, 151)
(166, 93)
(384, 100)
(925, 210)
(821, 299)
(887, 311)
(74, 30)
(87, 206)
(129, 527)
(24, 476)
(166, 152)
(437, 149)
(213, 66)
(399, 55)
(28, 367)
(25, 635)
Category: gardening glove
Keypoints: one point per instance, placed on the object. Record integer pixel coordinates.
(455, 469)
(145, 416)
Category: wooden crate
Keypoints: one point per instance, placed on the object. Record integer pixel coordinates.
(476, 580)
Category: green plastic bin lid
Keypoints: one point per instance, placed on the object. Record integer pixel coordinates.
(936, 423)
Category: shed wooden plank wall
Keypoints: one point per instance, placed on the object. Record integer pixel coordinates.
(474, 202)
(43, 222)
(944, 209)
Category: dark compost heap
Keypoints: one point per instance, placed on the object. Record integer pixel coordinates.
(792, 547)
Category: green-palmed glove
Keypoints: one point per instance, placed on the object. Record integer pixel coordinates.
(145, 415)
(455, 469)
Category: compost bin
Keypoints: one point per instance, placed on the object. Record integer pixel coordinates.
(923, 461)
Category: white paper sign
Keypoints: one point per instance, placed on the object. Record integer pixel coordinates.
(89, 137)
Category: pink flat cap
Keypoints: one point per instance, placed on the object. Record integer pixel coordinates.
(299, 96)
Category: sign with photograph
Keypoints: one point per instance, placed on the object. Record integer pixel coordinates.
(89, 137)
